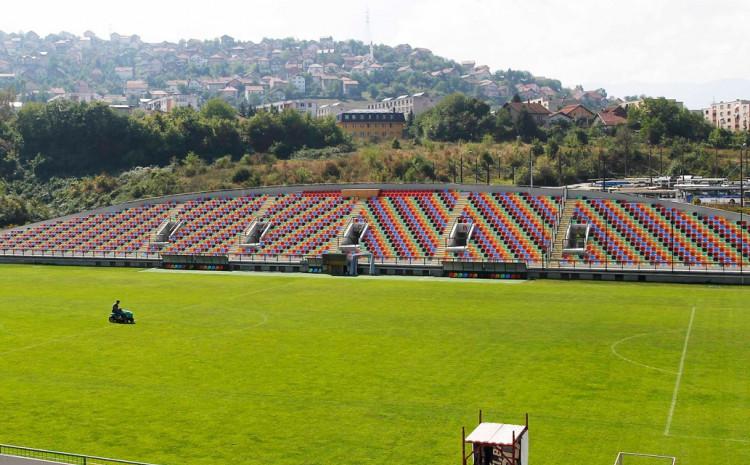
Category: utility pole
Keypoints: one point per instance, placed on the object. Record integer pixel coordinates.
(742, 207)
(661, 161)
(650, 172)
(531, 167)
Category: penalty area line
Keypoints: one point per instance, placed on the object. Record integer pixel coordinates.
(679, 374)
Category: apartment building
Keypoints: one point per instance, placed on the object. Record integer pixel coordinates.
(732, 116)
(405, 104)
(303, 106)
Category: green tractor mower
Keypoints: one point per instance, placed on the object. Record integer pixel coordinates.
(124, 317)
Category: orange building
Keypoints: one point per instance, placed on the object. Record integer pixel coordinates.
(372, 124)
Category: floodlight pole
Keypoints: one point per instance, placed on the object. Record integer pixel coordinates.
(650, 172)
(661, 161)
(671, 224)
(531, 167)
(742, 207)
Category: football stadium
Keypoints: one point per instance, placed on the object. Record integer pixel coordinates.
(372, 323)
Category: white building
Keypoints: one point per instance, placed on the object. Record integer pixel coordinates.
(298, 82)
(416, 104)
(303, 106)
(170, 102)
(732, 116)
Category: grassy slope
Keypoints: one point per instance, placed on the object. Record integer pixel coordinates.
(300, 370)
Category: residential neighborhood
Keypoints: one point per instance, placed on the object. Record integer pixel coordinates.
(325, 77)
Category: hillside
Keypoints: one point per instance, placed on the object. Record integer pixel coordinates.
(29, 199)
(123, 69)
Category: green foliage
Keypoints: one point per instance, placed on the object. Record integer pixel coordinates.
(537, 148)
(286, 132)
(504, 127)
(14, 211)
(457, 118)
(217, 108)
(75, 138)
(526, 128)
(720, 138)
(660, 119)
(241, 175)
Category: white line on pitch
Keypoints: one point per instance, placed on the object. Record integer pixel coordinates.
(614, 346)
(679, 374)
(708, 438)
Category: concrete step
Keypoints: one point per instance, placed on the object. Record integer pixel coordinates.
(357, 211)
(172, 215)
(461, 203)
(562, 228)
(259, 213)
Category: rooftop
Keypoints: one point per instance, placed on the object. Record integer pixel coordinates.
(495, 434)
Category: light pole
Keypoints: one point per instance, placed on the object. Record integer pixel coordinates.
(650, 173)
(742, 207)
(671, 235)
(531, 167)
(461, 172)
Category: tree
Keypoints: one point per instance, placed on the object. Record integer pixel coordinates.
(526, 127)
(455, 118)
(217, 108)
(661, 118)
(504, 127)
(7, 97)
(623, 148)
(720, 138)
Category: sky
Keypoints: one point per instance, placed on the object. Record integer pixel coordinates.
(626, 45)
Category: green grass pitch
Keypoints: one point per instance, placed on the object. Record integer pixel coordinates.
(223, 368)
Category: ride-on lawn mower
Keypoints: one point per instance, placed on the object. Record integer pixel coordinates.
(124, 317)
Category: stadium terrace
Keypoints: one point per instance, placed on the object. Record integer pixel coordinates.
(406, 229)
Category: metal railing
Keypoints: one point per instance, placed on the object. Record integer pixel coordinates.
(667, 266)
(61, 457)
(544, 263)
(57, 253)
(272, 258)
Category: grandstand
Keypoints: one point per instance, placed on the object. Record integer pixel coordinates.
(439, 230)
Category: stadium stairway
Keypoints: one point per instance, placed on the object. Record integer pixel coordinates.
(562, 228)
(260, 213)
(461, 203)
(172, 215)
(357, 212)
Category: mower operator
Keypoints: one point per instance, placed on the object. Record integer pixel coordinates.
(116, 308)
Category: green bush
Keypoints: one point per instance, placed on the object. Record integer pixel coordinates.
(241, 175)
